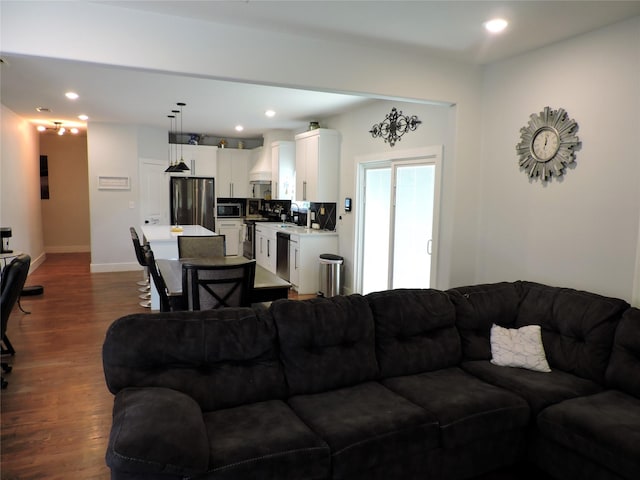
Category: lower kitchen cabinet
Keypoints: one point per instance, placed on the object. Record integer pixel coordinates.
(232, 231)
(304, 263)
(266, 248)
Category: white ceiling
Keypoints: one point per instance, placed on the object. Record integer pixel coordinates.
(451, 29)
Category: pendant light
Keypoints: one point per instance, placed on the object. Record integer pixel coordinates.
(172, 167)
(181, 166)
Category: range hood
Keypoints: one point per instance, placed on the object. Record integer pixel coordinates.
(261, 171)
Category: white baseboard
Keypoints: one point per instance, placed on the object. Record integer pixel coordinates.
(114, 267)
(68, 249)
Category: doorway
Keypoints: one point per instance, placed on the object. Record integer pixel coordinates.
(398, 202)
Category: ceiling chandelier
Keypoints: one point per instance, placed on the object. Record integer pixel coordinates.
(176, 166)
(58, 128)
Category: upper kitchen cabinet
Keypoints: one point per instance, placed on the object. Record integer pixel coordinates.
(317, 160)
(201, 159)
(283, 170)
(233, 172)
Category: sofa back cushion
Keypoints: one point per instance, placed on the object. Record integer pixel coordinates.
(221, 358)
(577, 327)
(477, 308)
(623, 372)
(415, 331)
(325, 343)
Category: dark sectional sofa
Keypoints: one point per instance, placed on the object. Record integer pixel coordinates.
(393, 385)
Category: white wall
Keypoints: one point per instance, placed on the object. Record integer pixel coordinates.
(113, 151)
(581, 231)
(20, 186)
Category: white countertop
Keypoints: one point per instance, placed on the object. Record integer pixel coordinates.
(159, 233)
(293, 229)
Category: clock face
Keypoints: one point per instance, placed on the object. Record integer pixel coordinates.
(545, 144)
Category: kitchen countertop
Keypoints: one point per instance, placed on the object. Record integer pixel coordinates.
(293, 229)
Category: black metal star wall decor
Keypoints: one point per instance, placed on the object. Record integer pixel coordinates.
(394, 126)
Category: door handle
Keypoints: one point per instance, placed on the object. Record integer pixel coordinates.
(429, 246)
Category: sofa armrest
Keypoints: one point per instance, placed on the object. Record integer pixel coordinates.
(157, 430)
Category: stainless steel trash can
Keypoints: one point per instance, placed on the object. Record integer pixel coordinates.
(331, 267)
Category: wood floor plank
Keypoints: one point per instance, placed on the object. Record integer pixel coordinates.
(56, 411)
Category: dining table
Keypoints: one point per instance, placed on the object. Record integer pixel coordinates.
(267, 287)
(163, 241)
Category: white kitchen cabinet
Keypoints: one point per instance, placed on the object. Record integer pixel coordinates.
(201, 160)
(266, 248)
(231, 228)
(283, 170)
(317, 161)
(233, 173)
(304, 263)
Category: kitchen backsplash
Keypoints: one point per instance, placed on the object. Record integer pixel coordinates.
(325, 214)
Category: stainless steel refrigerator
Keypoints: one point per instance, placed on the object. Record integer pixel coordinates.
(192, 201)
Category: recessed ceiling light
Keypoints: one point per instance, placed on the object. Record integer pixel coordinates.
(43, 109)
(72, 95)
(496, 25)
(83, 117)
(270, 113)
(239, 128)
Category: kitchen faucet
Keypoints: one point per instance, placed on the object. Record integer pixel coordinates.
(293, 218)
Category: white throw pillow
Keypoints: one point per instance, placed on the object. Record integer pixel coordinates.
(518, 347)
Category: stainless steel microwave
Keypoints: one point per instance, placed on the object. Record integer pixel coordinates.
(229, 210)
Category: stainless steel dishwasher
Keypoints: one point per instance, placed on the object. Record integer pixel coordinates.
(282, 255)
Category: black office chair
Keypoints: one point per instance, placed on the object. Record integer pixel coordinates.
(201, 246)
(140, 251)
(216, 286)
(167, 303)
(14, 277)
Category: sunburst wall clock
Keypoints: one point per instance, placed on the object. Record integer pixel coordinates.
(547, 144)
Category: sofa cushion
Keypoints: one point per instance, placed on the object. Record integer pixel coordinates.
(518, 347)
(157, 431)
(577, 327)
(539, 389)
(221, 358)
(262, 441)
(467, 408)
(415, 331)
(604, 428)
(367, 425)
(478, 307)
(325, 343)
(623, 372)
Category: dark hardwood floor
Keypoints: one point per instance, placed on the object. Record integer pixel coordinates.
(56, 410)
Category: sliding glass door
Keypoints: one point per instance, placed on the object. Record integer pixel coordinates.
(398, 202)
(412, 238)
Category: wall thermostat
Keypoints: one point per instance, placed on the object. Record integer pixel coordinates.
(347, 204)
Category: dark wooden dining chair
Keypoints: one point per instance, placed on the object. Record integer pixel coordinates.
(13, 279)
(167, 303)
(216, 286)
(201, 246)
